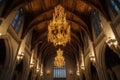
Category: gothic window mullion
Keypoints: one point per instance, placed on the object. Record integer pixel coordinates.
(18, 25)
(98, 25)
(16, 18)
(95, 29)
(17, 21)
(59, 72)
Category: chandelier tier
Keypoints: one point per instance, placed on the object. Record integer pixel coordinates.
(58, 29)
(59, 59)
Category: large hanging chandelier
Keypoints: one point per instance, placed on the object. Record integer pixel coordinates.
(59, 59)
(58, 29)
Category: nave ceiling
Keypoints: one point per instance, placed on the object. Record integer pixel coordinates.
(38, 14)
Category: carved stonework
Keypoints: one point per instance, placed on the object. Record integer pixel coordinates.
(113, 44)
(116, 27)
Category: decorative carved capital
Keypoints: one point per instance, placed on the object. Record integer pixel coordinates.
(113, 44)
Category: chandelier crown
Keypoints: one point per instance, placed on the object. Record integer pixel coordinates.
(58, 29)
(59, 52)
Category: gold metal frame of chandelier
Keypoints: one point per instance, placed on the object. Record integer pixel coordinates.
(58, 29)
(59, 59)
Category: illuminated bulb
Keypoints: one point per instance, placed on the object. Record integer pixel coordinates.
(31, 65)
(48, 72)
(78, 73)
(0, 34)
(70, 72)
(41, 74)
(82, 67)
(92, 57)
(20, 56)
(37, 70)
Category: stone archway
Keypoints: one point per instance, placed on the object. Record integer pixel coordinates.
(2, 55)
(112, 63)
(18, 71)
(6, 58)
(93, 72)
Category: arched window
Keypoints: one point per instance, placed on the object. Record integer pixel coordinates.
(29, 38)
(17, 21)
(96, 22)
(114, 6)
(1, 1)
(118, 1)
(1, 7)
(85, 39)
(59, 72)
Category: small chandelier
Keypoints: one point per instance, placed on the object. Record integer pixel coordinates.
(58, 29)
(59, 59)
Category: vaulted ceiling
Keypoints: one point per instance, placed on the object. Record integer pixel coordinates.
(38, 14)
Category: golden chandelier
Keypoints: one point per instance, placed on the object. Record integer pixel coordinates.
(58, 29)
(59, 59)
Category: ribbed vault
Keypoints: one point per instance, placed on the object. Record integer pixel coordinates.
(38, 14)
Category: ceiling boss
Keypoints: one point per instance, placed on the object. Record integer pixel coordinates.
(58, 28)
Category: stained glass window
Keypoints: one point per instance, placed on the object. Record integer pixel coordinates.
(1, 1)
(114, 6)
(15, 19)
(95, 17)
(97, 26)
(18, 25)
(117, 1)
(18, 19)
(59, 72)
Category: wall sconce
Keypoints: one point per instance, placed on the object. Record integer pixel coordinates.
(78, 73)
(71, 72)
(48, 72)
(92, 57)
(37, 70)
(82, 67)
(41, 70)
(78, 69)
(0, 34)
(112, 42)
(32, 63)
(20, 56)
(38, 67)
(41, 74)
